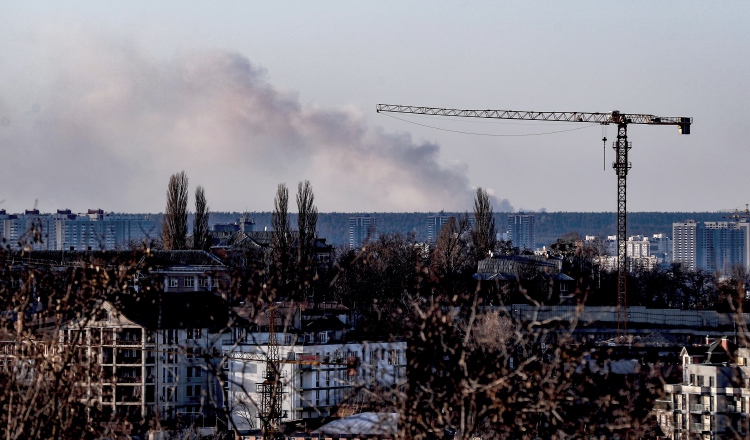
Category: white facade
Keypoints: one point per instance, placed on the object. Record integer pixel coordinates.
(30, 230)
(96, 230)
(64, 230)
(711, 403)
(685, 244)
(148, 373)
(315, 377)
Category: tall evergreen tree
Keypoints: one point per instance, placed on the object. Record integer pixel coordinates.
(201, 238)
(484, 236)
(174, 222)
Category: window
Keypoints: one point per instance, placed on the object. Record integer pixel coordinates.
(323, 337)
(194, 372)
(193, 352)
(711, 381)
(700, 381)
(169, 337)
(392, 357)
(189, 281)
(692, 379)
(170, 356)
(202, 281)
(173, 282)
(193, 391)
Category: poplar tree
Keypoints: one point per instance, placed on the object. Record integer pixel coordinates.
(483, 235)
(281, 237)
(307, 221)
(201, 238)
(174, 223)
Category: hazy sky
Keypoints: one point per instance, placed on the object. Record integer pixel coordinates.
(100, 102)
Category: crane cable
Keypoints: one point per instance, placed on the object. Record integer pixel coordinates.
(486, 134)
(604, 140)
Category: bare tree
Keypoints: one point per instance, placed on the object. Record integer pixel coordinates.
(201, 238)
(174, 222)
(307, 221)
(484, 234)
(451, 247)
(281, 238)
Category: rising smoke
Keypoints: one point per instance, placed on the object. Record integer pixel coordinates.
(98, 122)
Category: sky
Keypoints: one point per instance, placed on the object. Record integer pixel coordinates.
(100, 102)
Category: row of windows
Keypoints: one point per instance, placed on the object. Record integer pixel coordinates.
(170, 336)
(188, 281)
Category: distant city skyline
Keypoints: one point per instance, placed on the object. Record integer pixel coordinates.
(104, 101)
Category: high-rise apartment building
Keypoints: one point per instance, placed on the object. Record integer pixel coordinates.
(361, 230)
(64, 230)
(685, 244)
(434, 224)
(96, 230)
(712, 246)
(521, 231)
(30, 230)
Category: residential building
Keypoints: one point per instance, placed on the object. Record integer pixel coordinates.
(320, 367)
(361, 230)
(661, 248)
(712, 246)
(434, 224)
(712, 400)
(97, 230)
(158, 353)
(31, 230)
(64, 230)
(521, 231)
(638, 251)
(685, 244)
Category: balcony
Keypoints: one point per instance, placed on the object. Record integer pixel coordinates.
(697, 407)
(699, 427)
(125, 360)
(129, 379)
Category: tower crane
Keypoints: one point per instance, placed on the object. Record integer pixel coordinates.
(621, 164)
(271, 390)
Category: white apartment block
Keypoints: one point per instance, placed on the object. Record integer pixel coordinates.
(96, 230)
(316, 377)
(64, 230)
(30, 230)
(685, 244)
(712, 401)
(147, 372)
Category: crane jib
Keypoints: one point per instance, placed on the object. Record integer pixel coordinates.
(613, 117)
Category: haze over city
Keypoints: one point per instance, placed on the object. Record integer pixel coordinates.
(101, 102)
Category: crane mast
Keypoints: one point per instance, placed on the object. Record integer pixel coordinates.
(621, 164)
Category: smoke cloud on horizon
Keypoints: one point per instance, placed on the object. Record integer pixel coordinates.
(89, 121)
